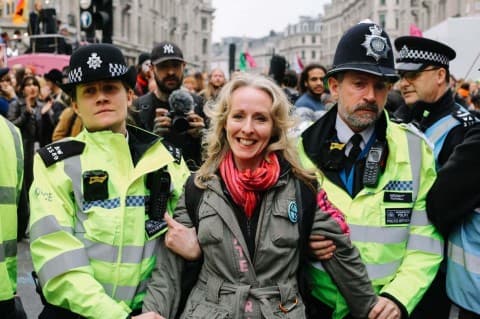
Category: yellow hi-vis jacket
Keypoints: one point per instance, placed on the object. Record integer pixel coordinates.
(399, 246)
(11, 176)
(94, 257)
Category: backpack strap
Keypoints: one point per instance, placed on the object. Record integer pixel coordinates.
(193, 195)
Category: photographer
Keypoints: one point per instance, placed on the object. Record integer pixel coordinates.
(154, 111)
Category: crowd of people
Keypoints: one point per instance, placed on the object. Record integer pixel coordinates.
(153, 193)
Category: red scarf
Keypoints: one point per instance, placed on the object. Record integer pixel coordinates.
(244, 187)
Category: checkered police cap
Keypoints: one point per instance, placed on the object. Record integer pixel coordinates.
(97, 62)
(416, 53)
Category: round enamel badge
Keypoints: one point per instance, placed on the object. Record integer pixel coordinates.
(293, 212)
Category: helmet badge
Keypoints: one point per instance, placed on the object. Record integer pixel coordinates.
(376, 45)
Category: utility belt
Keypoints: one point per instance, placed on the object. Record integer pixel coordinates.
(287, 293)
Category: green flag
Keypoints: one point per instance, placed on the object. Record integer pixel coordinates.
(243, 62)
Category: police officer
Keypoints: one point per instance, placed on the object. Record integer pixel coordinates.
(423, 66)
(454, 210)
(153, 111)
(11, 176)
(376, 172)
(98, 199)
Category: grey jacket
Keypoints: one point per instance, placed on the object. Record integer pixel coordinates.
(233, 285)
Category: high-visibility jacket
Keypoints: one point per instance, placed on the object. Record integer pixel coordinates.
(463, 253)
(400, 248)
(11, 175)
(93, 257)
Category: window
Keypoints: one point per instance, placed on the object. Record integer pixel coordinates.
(381, 20)
(382, 2)
(303, 54)
(204, 46)
(314, 39)
(303, 40)
(314, 55)
(204, 24)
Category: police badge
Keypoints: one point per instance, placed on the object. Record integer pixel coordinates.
(376, 45)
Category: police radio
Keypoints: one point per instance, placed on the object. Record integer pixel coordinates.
(374, 163)
(159, 184)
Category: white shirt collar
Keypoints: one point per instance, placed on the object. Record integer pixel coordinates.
(344, 132)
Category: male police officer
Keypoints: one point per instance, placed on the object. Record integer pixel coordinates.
(423, 66)
(11, 176)
(153, 110)
(376, 172)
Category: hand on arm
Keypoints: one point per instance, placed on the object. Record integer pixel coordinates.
(181, 239)
(149, 315)
(321, 248)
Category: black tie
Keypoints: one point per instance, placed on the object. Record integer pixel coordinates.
(355, 140)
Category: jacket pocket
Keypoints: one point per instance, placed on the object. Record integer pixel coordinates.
(100, 225)
(284, 224)
(210, 226)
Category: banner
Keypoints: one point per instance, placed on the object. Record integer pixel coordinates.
(19, 16)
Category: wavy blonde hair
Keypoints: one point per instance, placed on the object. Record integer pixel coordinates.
(215, 141)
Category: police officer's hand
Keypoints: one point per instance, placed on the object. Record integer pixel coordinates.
(182, 240)
(149, 315)
(162, 122)
(320, 247)
(197, 124)
(385, 309)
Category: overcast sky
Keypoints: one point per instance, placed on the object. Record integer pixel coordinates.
(255, 18)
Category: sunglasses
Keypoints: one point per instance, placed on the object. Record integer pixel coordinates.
(412, 75)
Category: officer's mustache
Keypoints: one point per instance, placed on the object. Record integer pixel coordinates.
(171, 78)
(367, 107)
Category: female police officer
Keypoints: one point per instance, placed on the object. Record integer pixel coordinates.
(97, 199)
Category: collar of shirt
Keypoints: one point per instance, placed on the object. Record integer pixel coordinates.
(344, 133)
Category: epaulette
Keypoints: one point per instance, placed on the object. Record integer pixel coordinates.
(464, 116)
(175, 151)
(59, 151)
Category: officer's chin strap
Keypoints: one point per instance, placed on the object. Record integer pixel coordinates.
(158, 183)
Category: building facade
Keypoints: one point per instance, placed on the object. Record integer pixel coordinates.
(138, 25)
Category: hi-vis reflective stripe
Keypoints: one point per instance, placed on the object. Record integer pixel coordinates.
(8, 195)
(125, 293)
(63, 263)
(18, 150)
(470, 262)
(442, 128)
(46, 225)
(109, 253)
(419, 218)
(425, 244)
(375, 271)
(381, 235)
(8, 249)
(415, 155)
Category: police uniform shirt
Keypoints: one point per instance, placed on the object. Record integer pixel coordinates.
(345, 133)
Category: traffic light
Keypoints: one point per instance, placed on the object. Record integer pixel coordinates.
(103, 19)
(96, 15)
(86, 19)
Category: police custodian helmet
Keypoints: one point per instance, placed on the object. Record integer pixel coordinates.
(365, 47)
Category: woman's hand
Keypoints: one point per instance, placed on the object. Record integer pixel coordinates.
(148, 315)
(182, 240)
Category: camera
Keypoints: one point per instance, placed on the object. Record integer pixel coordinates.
(181, 103)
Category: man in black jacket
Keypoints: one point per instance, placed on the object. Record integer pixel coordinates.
(153, 111)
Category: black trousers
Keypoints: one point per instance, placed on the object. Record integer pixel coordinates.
(55, 312)
(435, 303)
(12, 309)
(465, 314)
